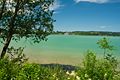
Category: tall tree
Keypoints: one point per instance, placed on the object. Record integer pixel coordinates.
(24, 18)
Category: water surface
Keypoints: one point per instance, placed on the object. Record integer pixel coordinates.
(66, 49)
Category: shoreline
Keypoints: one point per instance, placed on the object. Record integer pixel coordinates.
(87, 33)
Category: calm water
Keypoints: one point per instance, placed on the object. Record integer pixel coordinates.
(67, 49)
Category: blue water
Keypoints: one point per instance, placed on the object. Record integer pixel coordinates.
(64, 48)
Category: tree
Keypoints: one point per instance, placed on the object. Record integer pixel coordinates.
(24, 18)
(105, 45)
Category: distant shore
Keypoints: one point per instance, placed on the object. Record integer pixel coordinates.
(92, 33)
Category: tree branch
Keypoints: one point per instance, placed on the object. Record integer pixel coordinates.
(10, 32)
(2, 9)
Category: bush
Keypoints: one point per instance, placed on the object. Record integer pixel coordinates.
(8, 69)
(13, 71)
(93, 69)
(97, 69)
(33, 72)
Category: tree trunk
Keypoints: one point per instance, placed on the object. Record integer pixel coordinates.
(10, 32)
(7, 42)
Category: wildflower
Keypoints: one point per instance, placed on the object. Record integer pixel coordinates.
(77, 77)
(38, 78)
(54, 75)
(73, 73)
(89, 79)
(68, 78)
(67, 73)
(105, 74)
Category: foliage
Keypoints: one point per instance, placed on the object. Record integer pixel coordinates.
(31, 17)
(16, 55)
(24, 18)
(95, 69)
(12, 71)
(95, 33)
(11, 65)
(37, 72)
(105, 45)
(103, 69)
(33, 72)
(8, 69)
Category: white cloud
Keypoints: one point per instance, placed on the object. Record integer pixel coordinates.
(92, 1)
(103, 27)
(56, 5)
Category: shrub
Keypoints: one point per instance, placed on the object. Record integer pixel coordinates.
(104, 44)
(8, 69)
(33, 72)
(37, 72)
(95, 69)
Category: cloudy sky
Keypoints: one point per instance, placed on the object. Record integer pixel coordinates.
(86, 15)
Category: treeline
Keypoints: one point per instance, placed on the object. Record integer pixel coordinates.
(98, 33)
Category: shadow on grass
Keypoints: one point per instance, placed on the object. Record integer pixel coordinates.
(63, 66)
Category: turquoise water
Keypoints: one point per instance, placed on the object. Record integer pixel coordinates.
(68, 49)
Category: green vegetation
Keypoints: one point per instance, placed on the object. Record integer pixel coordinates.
(11, 68)
(105, 45)
(95, 69)
(24, 18)
(33, 19)
(96, 33)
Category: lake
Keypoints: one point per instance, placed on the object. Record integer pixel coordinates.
(64, 49)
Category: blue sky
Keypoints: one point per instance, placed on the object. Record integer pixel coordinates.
(86, 15)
